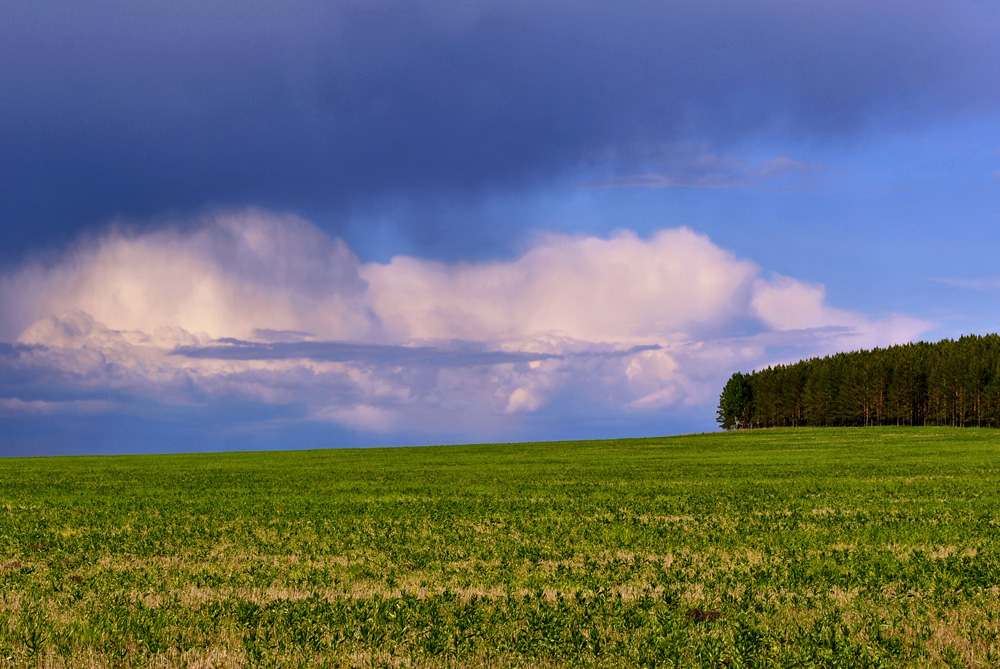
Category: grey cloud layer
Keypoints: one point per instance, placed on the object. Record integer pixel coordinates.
(136, 109)
(235, 349)
(458, 354)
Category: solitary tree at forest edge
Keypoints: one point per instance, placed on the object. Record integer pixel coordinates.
(736, 403)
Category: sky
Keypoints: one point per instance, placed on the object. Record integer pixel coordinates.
(243, 226)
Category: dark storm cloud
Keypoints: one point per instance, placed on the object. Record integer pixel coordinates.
(148, 109)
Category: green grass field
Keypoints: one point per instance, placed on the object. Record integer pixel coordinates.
(778, 548)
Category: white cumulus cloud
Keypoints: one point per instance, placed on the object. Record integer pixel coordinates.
(228, 275)
(267, 309)
(620, 289)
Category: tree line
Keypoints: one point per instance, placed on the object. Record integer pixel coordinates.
(951, 382)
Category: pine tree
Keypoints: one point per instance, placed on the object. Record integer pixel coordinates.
(947, 383)
(736, 404)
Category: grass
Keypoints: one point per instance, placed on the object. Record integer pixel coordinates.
(787, 548)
